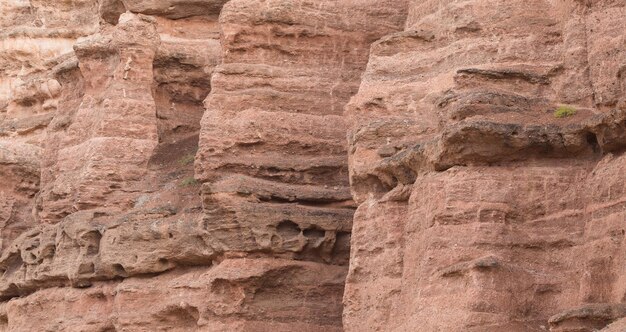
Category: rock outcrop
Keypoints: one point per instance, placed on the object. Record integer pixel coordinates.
(284, 165)
(480, 208)
(257, 236)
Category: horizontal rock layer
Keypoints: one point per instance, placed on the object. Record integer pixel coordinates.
(482, 206)
(192, 151)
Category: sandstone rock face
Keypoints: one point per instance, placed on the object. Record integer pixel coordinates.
(192, 174)
(480, 210)
(106, 148)
(272, 154)
(286, 165)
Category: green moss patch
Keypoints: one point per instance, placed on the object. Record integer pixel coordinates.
(564, 112)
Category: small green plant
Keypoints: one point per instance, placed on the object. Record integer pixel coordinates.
(187, 159)
(188, 182)
(564, 111)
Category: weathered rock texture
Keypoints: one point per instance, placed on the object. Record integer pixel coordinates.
(479, 209)
(327, 165)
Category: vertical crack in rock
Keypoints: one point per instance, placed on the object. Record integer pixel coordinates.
(272, 152)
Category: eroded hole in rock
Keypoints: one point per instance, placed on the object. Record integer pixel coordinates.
(92, 242)
(181, 83)
(119, 270)
(314, 234)
(342, 246)
(110, 10)
(86, 268)
(342, 243)
(287, 229)
(13, 264)
(373, 184)
(180, 317)
(12, 291)
(592, 140)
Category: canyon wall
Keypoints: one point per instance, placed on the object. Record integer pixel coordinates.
(479, 209)
(314, 165)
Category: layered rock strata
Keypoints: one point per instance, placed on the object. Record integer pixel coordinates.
(272, 154)
(480, 210)
(284, 165)
(257, 237)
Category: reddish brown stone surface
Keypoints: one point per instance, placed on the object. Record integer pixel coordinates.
(480, 210)
(299, 165)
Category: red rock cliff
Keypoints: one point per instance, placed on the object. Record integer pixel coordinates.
(327, 165)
